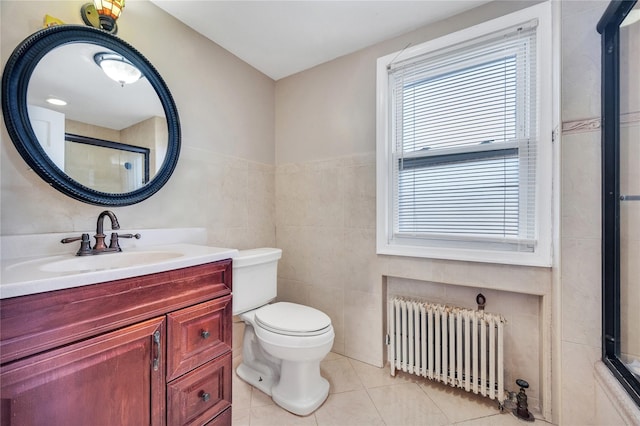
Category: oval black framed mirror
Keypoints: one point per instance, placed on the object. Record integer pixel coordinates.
(62, 63)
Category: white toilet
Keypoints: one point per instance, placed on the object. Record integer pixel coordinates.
(283, 342)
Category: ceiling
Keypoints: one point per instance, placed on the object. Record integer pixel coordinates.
(281, 38)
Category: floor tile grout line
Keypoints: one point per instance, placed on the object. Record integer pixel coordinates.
(375, 406)
(423, 389)
(366, 389)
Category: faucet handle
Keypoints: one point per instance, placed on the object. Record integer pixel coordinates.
(115, 245)
(136, 236)
(85, 244)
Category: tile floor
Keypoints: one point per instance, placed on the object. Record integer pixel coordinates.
(361, 394)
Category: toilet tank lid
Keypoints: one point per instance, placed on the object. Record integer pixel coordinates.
(256, 256)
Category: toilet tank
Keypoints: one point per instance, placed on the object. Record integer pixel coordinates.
(255, 278)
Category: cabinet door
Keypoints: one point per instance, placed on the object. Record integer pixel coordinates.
(113, 379)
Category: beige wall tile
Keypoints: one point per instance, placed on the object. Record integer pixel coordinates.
(360, 196)
(293, 291)
(578, 384)
(324, 262)
(361, 262)
(630, 158)
(291, 194)
(630, 299)
(261, 197)
(581, 59)
(581, 289)
(363, 326)
(292, 265)
(581, 198)
(330, 300)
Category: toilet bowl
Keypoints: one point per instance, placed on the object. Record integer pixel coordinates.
(283, 342)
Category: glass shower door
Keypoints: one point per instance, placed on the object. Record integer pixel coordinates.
(620, 126)
(629, 175)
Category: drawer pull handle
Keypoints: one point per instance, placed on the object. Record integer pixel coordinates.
(205, 396)
(205, 334)
(156, 358)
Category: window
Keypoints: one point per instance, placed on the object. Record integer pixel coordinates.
(464, 139)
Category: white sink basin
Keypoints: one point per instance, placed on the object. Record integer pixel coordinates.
(35, 275)
(108, 261)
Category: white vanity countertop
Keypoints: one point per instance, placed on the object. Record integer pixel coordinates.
(51, 265)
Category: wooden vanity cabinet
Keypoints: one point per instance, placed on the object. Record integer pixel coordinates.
(150, 350)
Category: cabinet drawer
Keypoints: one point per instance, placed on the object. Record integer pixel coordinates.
(198, 334)
(200, 395)
(223, 419)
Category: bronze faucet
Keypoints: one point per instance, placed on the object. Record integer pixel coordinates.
(100, 247)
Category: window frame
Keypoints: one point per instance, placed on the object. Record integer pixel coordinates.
(465, 250)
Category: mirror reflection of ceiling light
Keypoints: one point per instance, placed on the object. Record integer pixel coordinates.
(56, 101)
(117, 68)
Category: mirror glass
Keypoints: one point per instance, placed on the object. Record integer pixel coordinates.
(102, 141)
(95, 107)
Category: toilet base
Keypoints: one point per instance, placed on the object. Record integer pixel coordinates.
(302, 396)
(255, 378)
(301, 389)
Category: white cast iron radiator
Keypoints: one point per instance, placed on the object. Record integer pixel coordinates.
(457, 346)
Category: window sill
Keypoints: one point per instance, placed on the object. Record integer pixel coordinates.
(468, 255)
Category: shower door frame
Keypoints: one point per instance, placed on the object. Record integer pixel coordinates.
(608, 27)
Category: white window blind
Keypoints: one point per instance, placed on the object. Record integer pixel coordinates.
(465, 143)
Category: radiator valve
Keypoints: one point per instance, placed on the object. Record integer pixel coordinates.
(522, 409)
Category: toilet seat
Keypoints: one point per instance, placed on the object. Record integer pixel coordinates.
(291, 319)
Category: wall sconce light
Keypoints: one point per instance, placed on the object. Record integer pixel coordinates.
(102, 14)
(117, 68)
